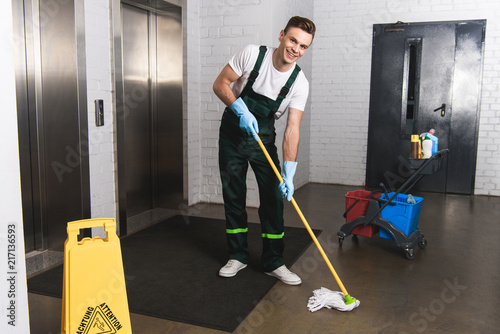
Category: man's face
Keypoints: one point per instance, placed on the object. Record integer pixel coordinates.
(294, 44)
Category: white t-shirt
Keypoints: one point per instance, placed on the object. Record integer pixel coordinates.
(270, 80)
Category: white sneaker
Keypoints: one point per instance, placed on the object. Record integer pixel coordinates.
(231, 268)
(285, 275)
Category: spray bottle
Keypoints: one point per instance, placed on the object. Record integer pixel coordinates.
(429, 143)
(435, 140)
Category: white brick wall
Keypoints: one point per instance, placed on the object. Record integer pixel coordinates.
(341, 83)
(192, 102)
(101, 139)
(226, 26)
(488, 158)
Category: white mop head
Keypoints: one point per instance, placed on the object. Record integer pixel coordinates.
(330, 299)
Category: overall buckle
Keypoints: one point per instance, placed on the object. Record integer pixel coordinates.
(284, 91)
(253, 75)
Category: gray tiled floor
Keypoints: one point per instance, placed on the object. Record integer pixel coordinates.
(452, 286)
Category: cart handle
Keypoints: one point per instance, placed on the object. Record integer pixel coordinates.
(407, 182)
(380, 200)
(439, 154)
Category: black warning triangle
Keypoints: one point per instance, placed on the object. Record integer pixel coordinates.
(99, 324)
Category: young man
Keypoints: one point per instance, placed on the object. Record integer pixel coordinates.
(265, 83)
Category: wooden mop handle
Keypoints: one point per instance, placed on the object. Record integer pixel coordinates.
(311, 233)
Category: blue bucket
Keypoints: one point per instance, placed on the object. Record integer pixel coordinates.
(404, 216)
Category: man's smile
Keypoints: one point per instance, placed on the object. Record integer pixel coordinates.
(291, 55)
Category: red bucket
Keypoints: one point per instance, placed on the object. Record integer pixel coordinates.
(359, 209)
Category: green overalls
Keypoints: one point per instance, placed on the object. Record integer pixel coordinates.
(236, 150)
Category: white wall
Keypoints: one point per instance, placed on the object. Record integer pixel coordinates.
(102, 151)
(13, 292)
(341, 83)
(192, 102)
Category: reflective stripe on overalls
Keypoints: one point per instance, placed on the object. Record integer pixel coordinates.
(236, 150)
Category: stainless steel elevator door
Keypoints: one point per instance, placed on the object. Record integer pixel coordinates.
(169, 86)
(152, 102)
(52, 116)
(63, 148)
(137, 113)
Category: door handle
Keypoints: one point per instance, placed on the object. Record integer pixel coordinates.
(442, 108)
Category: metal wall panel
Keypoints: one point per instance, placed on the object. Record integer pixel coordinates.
(52, 118)
(63, 151)
(137, 113)
(169, 87)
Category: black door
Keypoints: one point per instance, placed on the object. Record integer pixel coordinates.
(425, 75)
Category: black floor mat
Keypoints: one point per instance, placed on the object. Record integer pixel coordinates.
(171, 272)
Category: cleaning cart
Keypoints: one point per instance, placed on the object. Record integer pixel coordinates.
(392, 214)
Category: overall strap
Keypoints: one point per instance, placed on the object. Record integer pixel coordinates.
(286, 88)
(255, 72)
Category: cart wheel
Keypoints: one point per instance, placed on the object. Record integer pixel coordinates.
(410, 253)
(422, 243)
(341, 241)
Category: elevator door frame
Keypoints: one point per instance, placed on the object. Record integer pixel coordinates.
(153, 8)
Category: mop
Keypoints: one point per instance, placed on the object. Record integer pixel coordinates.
(323, 297)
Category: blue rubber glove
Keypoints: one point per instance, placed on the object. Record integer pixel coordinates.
(248, 122)
(286, 186)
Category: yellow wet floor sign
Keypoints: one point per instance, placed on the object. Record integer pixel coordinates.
(94, 292)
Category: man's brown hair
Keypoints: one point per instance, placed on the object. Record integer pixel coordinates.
(302, 23)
